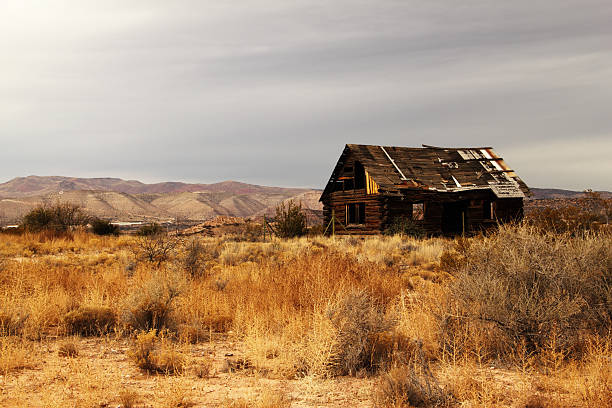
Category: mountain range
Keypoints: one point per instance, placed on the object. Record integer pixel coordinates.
(128, 200)
(132, 200)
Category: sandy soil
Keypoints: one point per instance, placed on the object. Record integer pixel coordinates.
(103, 371)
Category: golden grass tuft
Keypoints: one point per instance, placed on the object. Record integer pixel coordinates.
(68, 348)
(90, 320)
(156, 355)
(16, 354)
(129, 398)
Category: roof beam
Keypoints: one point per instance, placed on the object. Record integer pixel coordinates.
(394, 165)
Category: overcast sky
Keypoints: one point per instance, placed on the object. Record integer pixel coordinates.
(268, 92)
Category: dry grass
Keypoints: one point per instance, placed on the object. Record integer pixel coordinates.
(310, 308)
(16, 354)
(156, 354)
(268, 399)
(68, 348)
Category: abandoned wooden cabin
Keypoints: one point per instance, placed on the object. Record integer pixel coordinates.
(442, 190)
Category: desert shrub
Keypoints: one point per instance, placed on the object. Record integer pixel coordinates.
(15, 354)
(194, 260)
(405, 387)
(156, 248)
(269, 399)
(68, 349)
(149, 305)
(290, 220)
(103, 227)
(518, 286)
(405, 226)
(251, 231)
(204, 368)
(58, 217)
(90, 320)
(155, 355)
(150, 230)
(11, 323)
(128, 398)
(358, 320)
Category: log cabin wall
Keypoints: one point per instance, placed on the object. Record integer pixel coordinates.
(338, 202)
(481, 212)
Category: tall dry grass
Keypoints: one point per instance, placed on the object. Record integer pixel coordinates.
(537, 303)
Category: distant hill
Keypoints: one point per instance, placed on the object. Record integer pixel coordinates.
(550, 193)
(132, 200)
(43, 185)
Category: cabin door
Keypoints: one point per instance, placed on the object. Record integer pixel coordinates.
(454, 217)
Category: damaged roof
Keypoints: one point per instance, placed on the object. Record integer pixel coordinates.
(439, 169)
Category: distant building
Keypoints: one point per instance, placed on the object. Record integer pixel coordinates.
(443, 190)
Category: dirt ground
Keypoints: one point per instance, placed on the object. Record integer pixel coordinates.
(103, 372)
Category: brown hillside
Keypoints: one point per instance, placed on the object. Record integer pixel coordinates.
(133, 200)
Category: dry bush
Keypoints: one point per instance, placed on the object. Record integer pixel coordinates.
(410, 385)
(15, 354)
(150, 303)
(12, 322)
(472, 386)
(90, 320)
(358, 321)
(520, 286)
(194, 259)
(68, 348)
(592, 379)
(269, 399)
(156, 355)
(156, 248)
(204, 368)
(129, 398)
(173, 393)
(56, 217)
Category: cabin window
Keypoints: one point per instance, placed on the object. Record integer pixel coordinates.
(418, 211)
(355, 213)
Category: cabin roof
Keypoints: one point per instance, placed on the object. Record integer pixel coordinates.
(438, 169)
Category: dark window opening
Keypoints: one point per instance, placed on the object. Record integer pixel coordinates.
(348, 184)
(355, 213)
(359, 176)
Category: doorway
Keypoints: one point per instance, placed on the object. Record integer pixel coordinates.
(454, 217)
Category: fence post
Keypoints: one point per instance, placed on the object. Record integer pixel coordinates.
(333, 220)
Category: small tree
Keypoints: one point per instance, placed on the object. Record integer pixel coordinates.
(103, 227)
(291, 221)
(157, 248)
(150, 230)
(58, 217)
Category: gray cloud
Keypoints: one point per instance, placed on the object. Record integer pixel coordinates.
(270, 92)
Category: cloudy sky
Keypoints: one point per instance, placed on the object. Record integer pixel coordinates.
(269, 92)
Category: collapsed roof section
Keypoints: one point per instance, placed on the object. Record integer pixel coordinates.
(437, 169)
